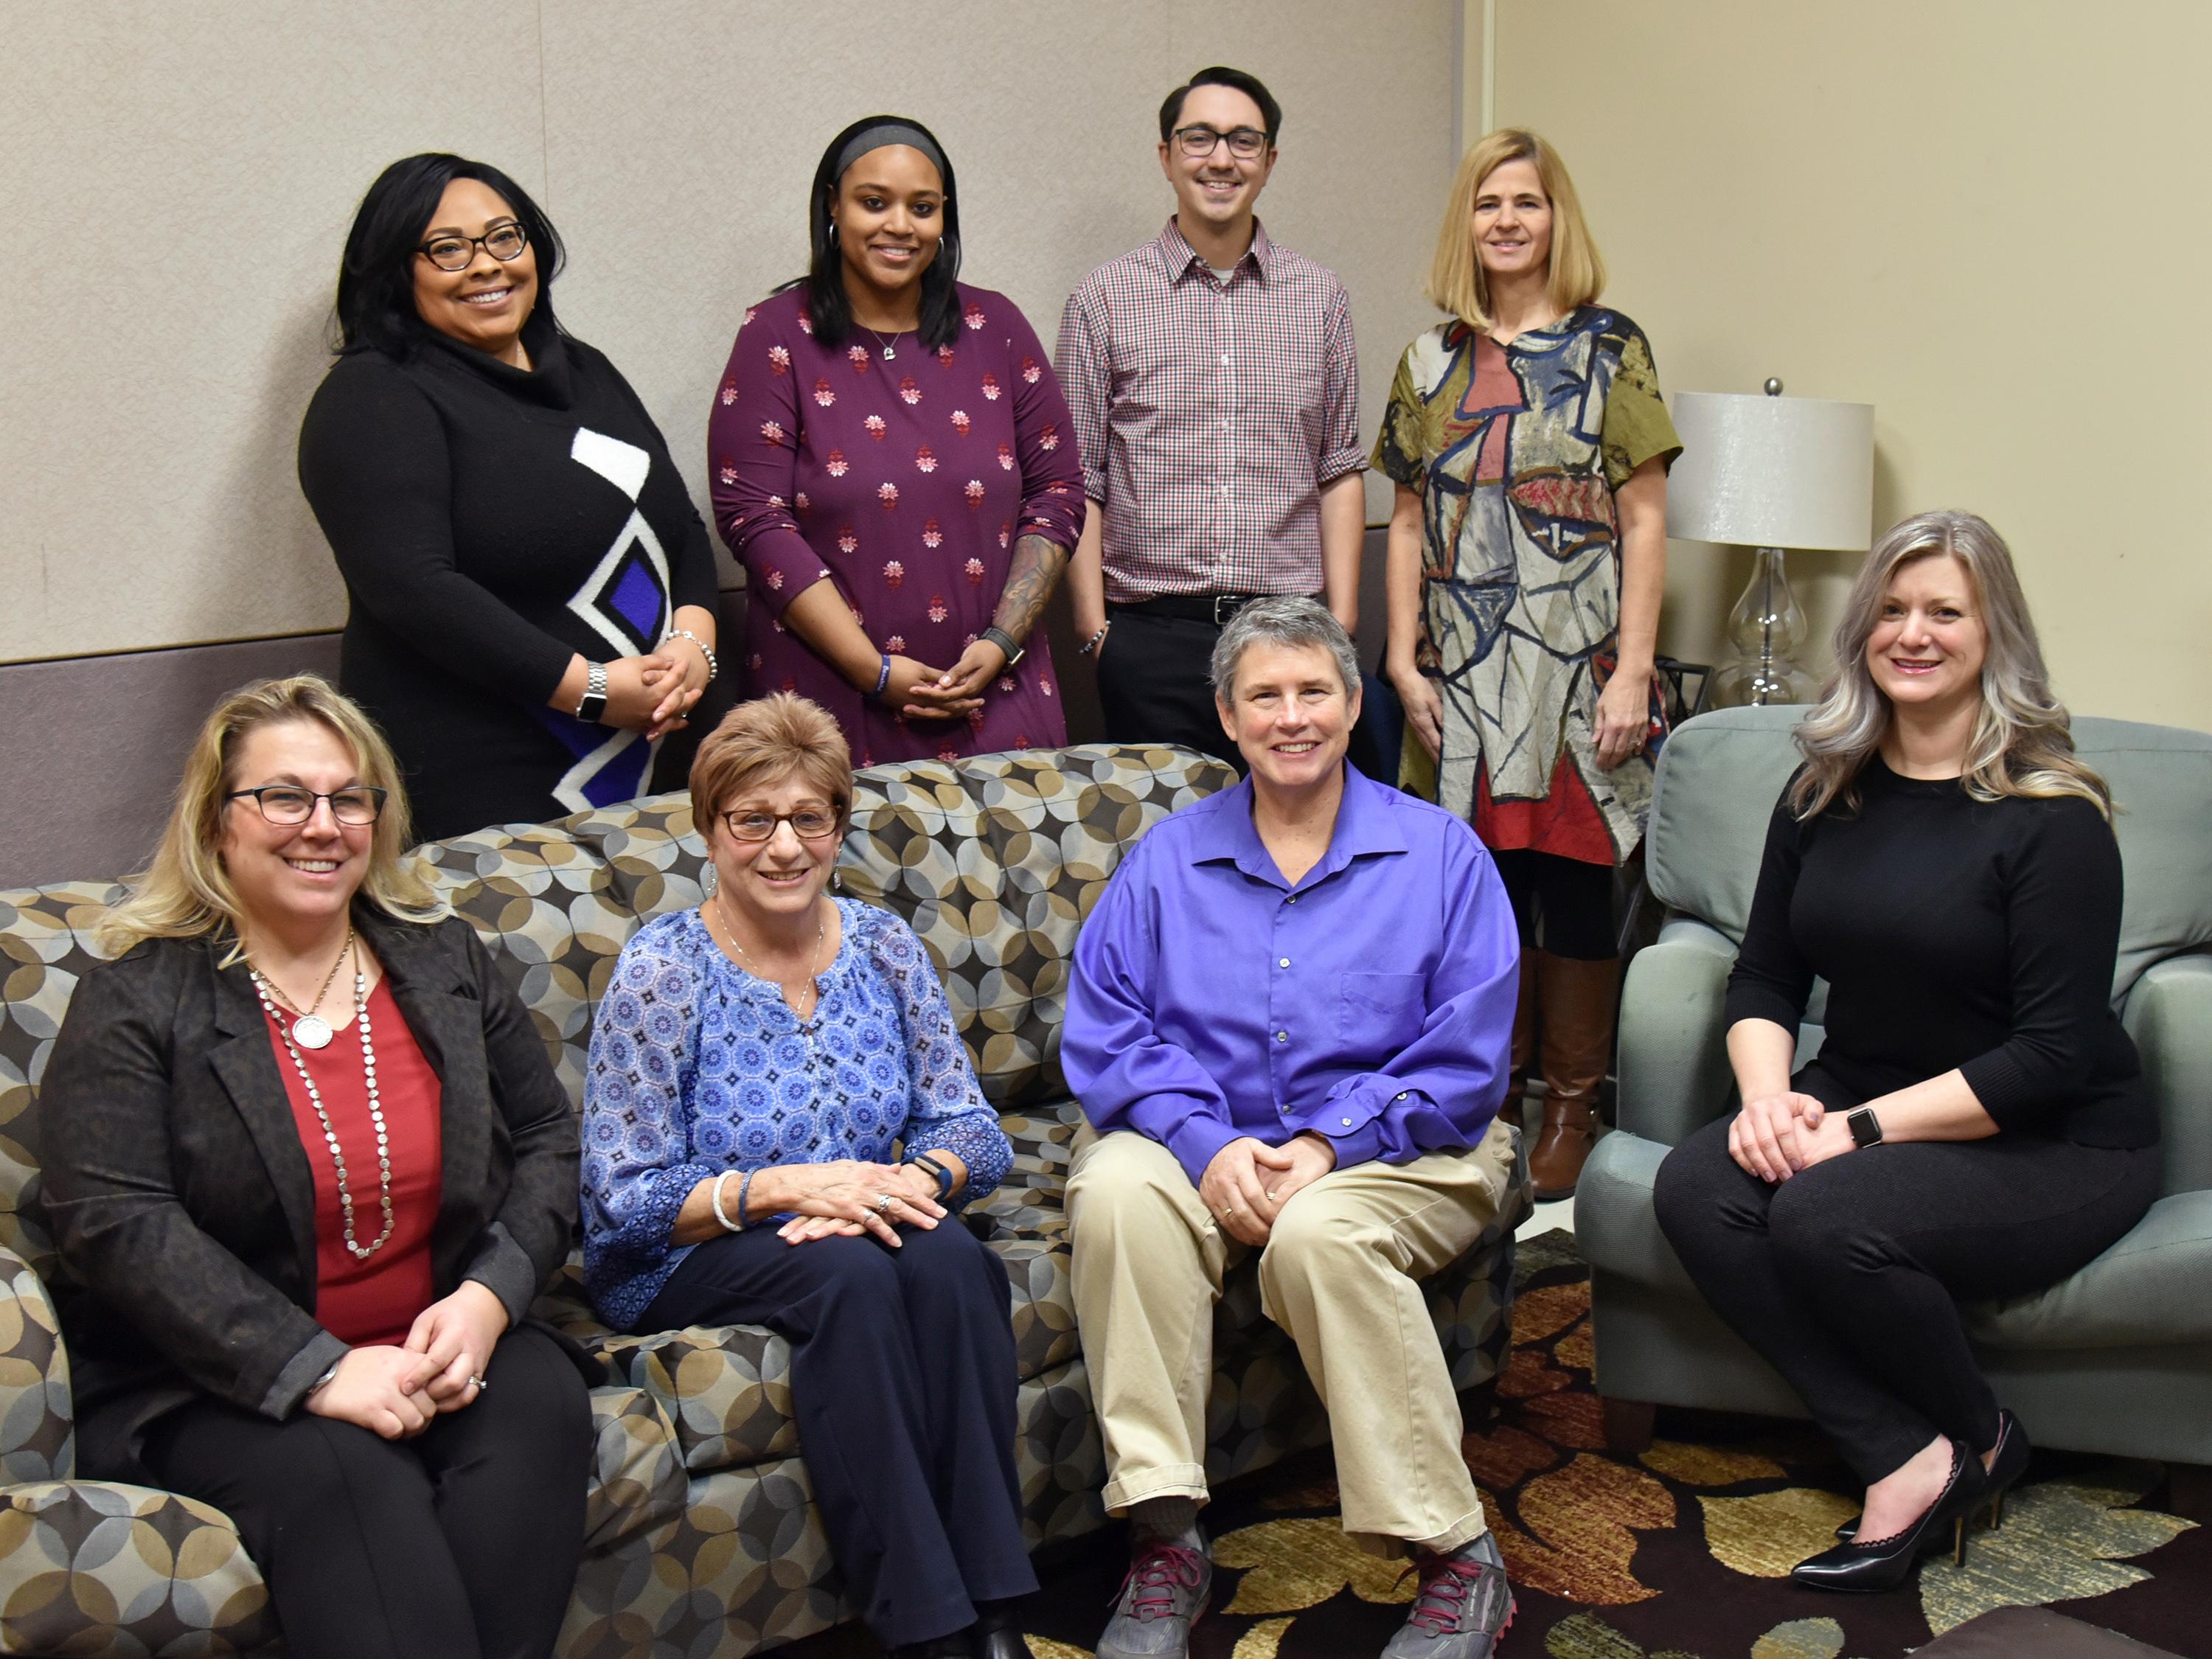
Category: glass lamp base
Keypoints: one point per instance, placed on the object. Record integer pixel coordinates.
(1744, 684)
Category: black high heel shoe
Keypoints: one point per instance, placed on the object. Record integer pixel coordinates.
(1887, 1563)
(2005, 1470)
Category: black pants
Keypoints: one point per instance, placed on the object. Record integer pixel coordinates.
(1152, 683)
(1843, 1277)
(1564, 905)
(902, 1381)
(462, 1541)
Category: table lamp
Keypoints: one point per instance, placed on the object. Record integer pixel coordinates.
(1771, 473)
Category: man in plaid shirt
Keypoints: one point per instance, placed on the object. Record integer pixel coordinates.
(1215, 393)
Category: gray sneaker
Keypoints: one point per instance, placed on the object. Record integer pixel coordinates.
(1167, 1588)
(1464, 1608)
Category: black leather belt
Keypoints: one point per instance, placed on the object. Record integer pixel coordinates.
(1213, 609)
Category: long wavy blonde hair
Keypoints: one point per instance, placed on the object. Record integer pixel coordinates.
(2021, 742)
(185, 892)
(1457, 283)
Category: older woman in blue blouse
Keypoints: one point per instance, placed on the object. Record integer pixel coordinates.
(779, 1121)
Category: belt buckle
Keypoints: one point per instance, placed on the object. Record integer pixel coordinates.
(1236, 602)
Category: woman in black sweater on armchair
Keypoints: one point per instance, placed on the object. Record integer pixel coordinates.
(532, 591)
(1975, 1125)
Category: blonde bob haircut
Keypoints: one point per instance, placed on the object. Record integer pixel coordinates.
(185, 893)
(1457, 281)
(760, 743)
(2021, 742)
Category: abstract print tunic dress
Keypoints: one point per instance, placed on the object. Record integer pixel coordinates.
(904, 475)
(1515, 452)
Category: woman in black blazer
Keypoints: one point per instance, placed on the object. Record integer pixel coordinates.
(306, 1164)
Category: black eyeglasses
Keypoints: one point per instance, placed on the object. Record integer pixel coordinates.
(808, 823)
(502, 242)
(284, 802)
(1244, 142)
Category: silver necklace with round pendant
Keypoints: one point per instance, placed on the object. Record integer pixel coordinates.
(310, 1029)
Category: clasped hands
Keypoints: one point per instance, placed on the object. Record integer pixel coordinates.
(1247, 1182)
(1776, 1135)
(921, 692)
(843, 1199)
(397, 1392)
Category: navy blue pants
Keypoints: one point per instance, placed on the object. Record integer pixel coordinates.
(902, 1381)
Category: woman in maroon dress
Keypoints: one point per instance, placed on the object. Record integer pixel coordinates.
(893, 465)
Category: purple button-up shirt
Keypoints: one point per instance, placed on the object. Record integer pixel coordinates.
(1371, 1004)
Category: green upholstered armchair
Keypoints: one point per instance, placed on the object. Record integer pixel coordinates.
(2117, 1359)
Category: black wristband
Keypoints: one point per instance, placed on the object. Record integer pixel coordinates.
(1005, 642)
(924, 1161)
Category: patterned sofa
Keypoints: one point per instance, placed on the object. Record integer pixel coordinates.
(703, 1540)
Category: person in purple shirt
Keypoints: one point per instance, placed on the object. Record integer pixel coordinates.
(1289, 1026)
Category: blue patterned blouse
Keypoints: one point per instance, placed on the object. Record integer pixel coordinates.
(698, 1068)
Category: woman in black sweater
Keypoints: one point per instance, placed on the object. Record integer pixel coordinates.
(532, 591)
(1975, 1125)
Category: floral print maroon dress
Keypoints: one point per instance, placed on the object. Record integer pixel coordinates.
(905, 475)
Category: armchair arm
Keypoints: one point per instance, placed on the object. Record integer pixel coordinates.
(38, 1427)
(1675, 1076)
(2169, 1015)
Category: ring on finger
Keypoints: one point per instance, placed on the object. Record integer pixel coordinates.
(478, 1384)
(884, 1202)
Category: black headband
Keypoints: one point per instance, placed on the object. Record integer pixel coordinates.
(889, 132)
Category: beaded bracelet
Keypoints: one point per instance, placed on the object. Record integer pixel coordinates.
(714, 663)
(1093, 642)
(744, 1196)
(884, 678)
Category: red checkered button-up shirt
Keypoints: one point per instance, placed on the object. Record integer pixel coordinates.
(1210, 414)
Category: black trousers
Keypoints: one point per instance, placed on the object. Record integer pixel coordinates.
(902, 1381)
(1569, 901)
(462, 1541)
(1843, 1277)
(1152, 683)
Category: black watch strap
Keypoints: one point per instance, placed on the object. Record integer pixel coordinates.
(1866, 1127)
(1006, 643)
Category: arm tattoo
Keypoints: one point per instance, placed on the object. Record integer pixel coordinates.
(1035, 572)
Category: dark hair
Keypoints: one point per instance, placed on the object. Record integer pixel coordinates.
(376, 278)
(1271, 112)
(829, 308)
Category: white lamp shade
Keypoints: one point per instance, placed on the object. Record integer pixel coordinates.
(1772, 471)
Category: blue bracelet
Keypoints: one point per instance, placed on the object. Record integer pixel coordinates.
(745, 1192)
(884, 678)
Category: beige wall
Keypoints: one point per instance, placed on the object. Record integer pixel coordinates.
(1984, 218)
(180, 176)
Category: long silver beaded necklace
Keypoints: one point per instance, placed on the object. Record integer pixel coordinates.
(360, 1252)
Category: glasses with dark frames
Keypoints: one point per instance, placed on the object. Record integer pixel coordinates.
(808, 823)
(1244, 142)
(286, 803)
(502, 242)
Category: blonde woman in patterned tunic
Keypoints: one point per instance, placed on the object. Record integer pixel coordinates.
(1528, 554)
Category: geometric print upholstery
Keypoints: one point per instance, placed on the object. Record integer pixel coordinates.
(702, 1539)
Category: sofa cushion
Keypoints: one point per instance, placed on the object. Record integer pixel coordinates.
(94, 1566)
(1721, 773)
(637, 1479)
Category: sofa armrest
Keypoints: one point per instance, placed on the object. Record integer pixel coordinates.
(38, 1425)
(2169, 1014)
(1675, 1076)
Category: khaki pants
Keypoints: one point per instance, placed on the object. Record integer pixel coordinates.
(1340, 1272)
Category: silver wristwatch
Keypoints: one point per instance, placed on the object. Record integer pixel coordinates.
(593, 705)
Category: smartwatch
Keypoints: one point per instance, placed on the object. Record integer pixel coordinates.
(1866, 1127)
(1014, 648)
(924, 1161)
(593, 705)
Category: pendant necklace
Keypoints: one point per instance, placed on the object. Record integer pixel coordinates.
(821, 929)
(359, 1251)
(310, 1029)
(890, 351)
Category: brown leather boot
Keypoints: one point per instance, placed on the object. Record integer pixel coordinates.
(1579, 999)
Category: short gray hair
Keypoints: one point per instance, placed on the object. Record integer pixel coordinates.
(1285, 619)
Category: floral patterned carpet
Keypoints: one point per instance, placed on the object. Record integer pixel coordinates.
(1681, 1553)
